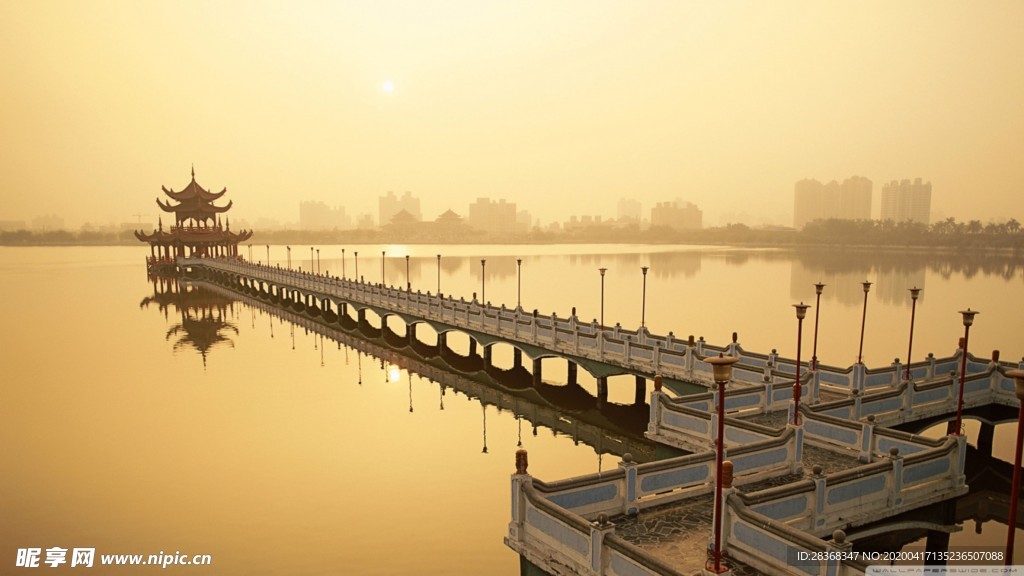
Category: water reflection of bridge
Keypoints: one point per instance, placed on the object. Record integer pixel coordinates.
(607, 427)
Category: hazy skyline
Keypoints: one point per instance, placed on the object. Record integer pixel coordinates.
(562, 108)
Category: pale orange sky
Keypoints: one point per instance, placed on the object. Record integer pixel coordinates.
(562, 107)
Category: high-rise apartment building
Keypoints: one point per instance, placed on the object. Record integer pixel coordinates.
(497, 218)
(320, 216)
(629, 210)
(813, 200)
(677, 215)
(906, 200)
(390, 205)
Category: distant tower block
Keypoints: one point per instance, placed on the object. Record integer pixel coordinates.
(197, 230)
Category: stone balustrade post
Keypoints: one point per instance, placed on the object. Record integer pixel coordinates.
(818, 518)
(867, 438)
(841, 549)
(700, 346)
(897, 371)
(629, 505)
(516, 528)
(896, 495)
(653, 423)
(856, 404)
(598, 530)
(858, 377)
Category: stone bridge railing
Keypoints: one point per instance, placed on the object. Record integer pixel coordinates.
(858, 423)
(769, 529)
(631, 351)
(563, 520)
(565, 523)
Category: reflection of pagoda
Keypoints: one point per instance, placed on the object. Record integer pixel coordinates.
(203, 314)
(197, 230)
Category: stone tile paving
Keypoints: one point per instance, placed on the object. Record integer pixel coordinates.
(679, 533)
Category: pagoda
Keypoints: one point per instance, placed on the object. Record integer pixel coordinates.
(197, 230)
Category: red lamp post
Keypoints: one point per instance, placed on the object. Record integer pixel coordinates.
(914, 293)
(643, 302)
(863, 319)
(968, 316)
(1018, 388)
(602, 271)
(801, 312)
(721, 367)
(817, 309)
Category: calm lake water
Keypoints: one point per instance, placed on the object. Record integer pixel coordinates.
(132, 431)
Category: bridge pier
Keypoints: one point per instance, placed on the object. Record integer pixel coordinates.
(641, 390)
(602, 389)
(488, 350)
(537, 373)
(985, 436)
(410, 333)
(472, 347)
(517, 358)
(383, 323)
(937, 540)
(442, 343)
(571, 374)
(362, 316)
(343, 309)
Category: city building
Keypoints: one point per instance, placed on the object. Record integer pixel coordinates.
(906, 200)
(629, 210)
(493, 217)
(390, 204)
(677, 215)
(48, 223)
(813, 200)
(320, 216)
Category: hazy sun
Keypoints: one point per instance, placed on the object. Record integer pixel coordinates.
(389, 86)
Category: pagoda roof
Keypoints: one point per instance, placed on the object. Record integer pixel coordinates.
(449, 217)
(193, 201)
(193, 235)
(193, 190)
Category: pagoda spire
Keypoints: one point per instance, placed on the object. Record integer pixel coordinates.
(193, 171)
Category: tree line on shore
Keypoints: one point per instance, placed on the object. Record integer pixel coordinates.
(948, 233)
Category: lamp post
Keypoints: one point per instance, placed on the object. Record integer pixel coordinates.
(250, 252)
(289, 257)
(483, 280)
(968, 316)
(519, 282)
(382, 253)
(319, 269)
(1018, 388)
(356, 253)
(863, 318)
(721, 367)
(343, 263)
(801, 312)
(408, 283)
(312, 267)
(438, 275)
(914, 293)
(643, 301)
(602, 271)
(817, 309)
(268, 254)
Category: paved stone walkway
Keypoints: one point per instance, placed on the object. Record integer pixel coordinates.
(679, 533)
